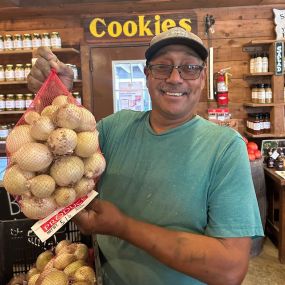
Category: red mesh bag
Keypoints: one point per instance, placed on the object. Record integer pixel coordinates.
(53, 152)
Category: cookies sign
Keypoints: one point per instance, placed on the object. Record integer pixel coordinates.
(279, 19)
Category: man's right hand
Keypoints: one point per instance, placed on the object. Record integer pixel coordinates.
(46, 60)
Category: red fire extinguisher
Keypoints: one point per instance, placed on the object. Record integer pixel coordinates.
(222, 87)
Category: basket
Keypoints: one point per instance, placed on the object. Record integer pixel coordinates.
(19, 246)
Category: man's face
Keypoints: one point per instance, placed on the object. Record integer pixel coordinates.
(175, 98)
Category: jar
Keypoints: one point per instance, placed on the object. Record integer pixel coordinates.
(20, 102)
(77, 97)
(8, 42)
(27, 69)
(1, 43)
(2, 73)
(4, 131)
(261, 122)
(36, 40)
(265, 62)
(17, 41)
(258, 64)
(10, 102)
(28, 99)
(19, 72)
(55, 40)
(268, 93)
(27, 41)
(46, 40)
(9, 72)
(2, 102)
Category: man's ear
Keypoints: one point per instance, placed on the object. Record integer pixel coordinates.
(146, 71)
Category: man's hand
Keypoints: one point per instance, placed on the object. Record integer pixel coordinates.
(41, 69)
(101, 217)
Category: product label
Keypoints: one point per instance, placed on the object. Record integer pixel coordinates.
(48, 226)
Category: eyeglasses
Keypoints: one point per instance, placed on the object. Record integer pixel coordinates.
(186, 71)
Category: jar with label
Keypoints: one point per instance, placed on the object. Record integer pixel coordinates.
(27, 41)
(252, 63)
(46, 40)
(77, 96)
(261, 122)
(2, 73)
(261, 94)
(9, 72)
(2, 102)
(268, 93)
(20, 102)
(55, 40)
(36, 40)
(17, 41)
(4, 131)
(10, 102)
(19, 72)
(27, 69)
(28, 99)
(1, 43)
(254, 94)
(8, 42)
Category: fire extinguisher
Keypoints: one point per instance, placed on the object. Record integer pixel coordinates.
(222, 87)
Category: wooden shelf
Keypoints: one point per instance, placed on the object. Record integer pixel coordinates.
(11, 113)
(250, 104)
(265, 135)
(30, 51)
(258, 43)
(251, 75)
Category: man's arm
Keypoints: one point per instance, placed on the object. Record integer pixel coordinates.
(211, 260)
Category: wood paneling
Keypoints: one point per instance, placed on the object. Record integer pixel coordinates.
(237, 23)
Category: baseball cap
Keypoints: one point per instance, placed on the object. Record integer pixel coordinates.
(176, 35)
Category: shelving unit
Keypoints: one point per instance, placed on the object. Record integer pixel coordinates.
(276, 108)
(65, 54)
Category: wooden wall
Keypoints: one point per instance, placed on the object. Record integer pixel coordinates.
(233, 27)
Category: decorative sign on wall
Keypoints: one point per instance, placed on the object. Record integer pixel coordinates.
(135, 27)
(278, 46)
(279, 20)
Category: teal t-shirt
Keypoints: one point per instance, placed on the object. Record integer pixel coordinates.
(193, 178)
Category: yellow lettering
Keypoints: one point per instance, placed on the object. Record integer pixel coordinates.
(93, 27)
(130, 28)
(143, 27)
(185, 24)
(115, 29)
(167, 24)
(157, 25)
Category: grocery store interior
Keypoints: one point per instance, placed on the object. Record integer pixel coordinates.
(104, 42)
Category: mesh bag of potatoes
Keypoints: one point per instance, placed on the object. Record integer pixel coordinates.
(67, 264)
(53, 152)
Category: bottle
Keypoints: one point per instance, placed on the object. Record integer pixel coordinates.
(265, 63)
(258, 64)
(27, 69)
(261, 122)
(256, 125)
(1, 43)
(46, 40)
(251, 63)
(261, 94)
(254, 94)
(2, 73)
(266, 123)
(268, 93)
(10, 102)
(270, 160)
(17, 41)
(8, 42)
(20, 102)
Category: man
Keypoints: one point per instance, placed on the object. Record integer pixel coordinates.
(177, 203)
